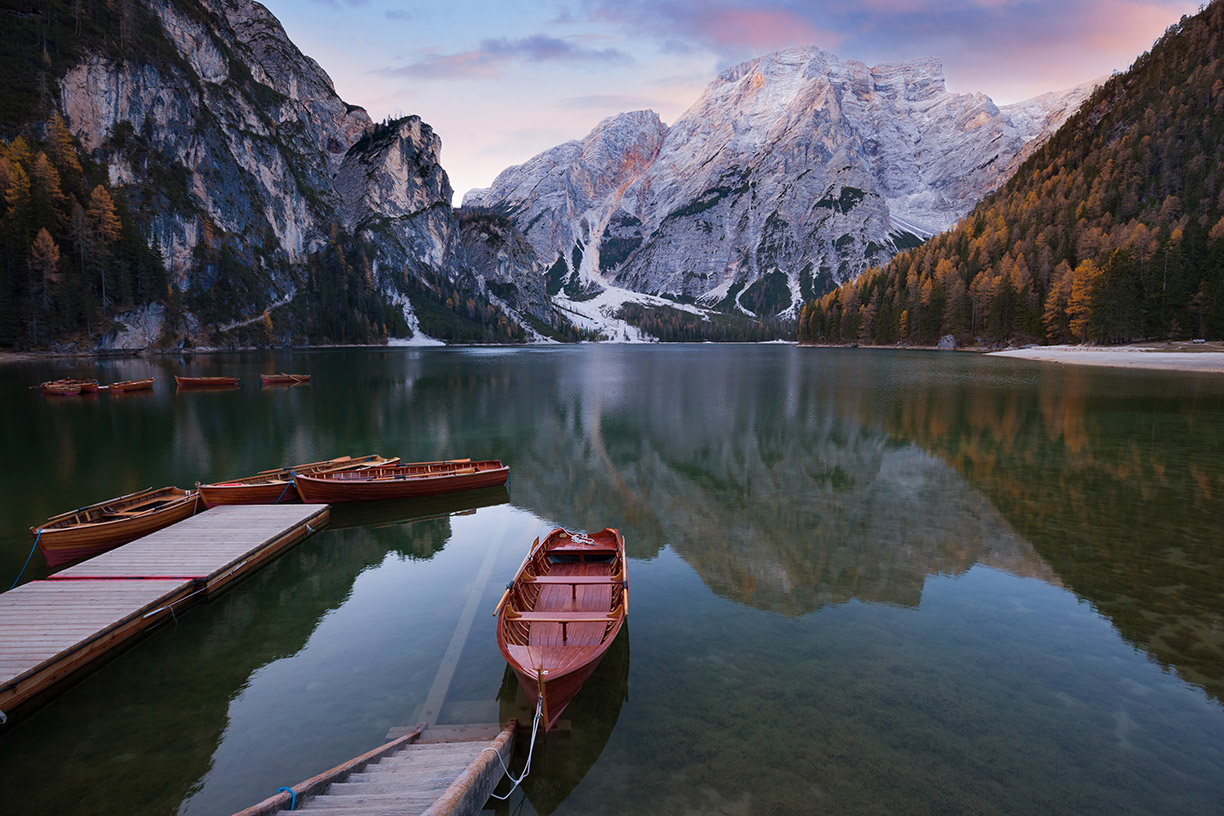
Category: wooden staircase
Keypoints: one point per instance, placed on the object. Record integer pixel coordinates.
(444, 772)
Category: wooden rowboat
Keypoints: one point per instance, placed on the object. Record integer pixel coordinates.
(276, 485)
(103, 526)
(206, 382)
(68, 387)
(284, 379)
(130, 385)
(401, 481)
(560, 614)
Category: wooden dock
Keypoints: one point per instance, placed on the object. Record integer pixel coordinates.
(445, 775)
(52, 629)
(211, 548)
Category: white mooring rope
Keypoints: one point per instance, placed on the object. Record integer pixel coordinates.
(535, 724)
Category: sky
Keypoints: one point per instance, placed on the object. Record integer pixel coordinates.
(501, 81)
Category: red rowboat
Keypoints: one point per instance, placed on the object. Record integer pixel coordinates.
(402, 481)
(130, 385)
(276, 485)
(206, 382)
(558, 617)
(284, 379)
(103, 526)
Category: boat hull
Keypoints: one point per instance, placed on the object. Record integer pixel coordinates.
(284, 379)
(276, 486)
(271, 493)
(561, 613)
(349, 487)
(131, 385)
(60, 546)
(70, 387)
(206, 382)
(558, 691)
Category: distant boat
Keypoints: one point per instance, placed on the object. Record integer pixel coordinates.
(284, 379)
(276, 485)
(67, 387)
(103, 526)
(206, 382)
(401, 481)
(130, 385)
(560, 614)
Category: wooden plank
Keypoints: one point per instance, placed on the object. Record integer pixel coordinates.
(573, 580)
(211, 547)
(51, 629)
(563, 617)
(66, 625)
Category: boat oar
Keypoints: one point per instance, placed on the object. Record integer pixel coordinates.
(510, 585)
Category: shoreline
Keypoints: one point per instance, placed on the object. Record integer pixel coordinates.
(1165, 357)
(1174, 356)
(1184, 356)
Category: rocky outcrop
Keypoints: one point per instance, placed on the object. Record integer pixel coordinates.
(507, 262)
(791, 173)
(228, 139)
(566, 201)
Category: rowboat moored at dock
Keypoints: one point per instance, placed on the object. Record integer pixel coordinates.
(560, 614)
(276, 485)
(401, 481)
(103, 526)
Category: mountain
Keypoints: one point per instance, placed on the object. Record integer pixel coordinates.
(1111, 231)
(276, 211)
(791, 173)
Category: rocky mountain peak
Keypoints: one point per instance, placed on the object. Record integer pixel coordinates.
(789, 173)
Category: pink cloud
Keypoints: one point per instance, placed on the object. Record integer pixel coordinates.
(763, 29)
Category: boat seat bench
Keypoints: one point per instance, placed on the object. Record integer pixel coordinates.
(573, 579)
(579, 549)
(560, 617)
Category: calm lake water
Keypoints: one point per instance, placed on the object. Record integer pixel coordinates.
(863, 582)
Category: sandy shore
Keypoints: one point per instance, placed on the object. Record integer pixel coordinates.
(1173, 357)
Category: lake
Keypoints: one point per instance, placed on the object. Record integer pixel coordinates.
(862, 582)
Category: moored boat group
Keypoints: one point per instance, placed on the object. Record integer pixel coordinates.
(67, 387)
(103, 526)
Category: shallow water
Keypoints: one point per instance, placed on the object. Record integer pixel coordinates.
(862, 581)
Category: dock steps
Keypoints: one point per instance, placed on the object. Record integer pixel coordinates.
(446, 773)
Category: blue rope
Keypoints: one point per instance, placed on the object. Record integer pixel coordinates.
(292, 796)
(28, 557)
(288, 485)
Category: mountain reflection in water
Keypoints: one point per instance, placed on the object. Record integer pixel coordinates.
(862, 478)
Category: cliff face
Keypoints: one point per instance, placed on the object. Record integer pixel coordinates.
(233, 151)
(231, 124)
(790, 173)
